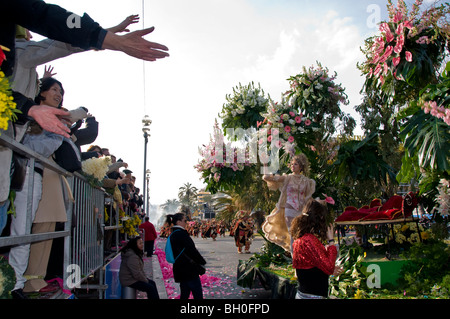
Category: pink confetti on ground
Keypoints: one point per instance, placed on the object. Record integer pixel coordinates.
(213, 287)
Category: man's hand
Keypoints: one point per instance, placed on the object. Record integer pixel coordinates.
(50, 119)
(135, 45)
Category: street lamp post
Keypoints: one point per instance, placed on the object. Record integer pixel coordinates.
(147, 196)
(146, 130)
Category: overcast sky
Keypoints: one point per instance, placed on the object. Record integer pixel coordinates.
(214, 45)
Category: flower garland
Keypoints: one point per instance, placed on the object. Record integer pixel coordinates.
(8, 111)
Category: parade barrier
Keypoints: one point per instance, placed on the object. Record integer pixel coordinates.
(83, 233)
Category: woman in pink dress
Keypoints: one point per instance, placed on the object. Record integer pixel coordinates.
(296, 189)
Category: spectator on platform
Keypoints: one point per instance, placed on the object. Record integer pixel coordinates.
(186, 267)
(312, 261)
(131, 273)
(45, 143)
(51, 21)
(150, 236)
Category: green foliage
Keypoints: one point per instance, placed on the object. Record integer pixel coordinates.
(427, 138)
(352, 278)
(361, 160)
(270, 254)
(428, 265)
(7, 279)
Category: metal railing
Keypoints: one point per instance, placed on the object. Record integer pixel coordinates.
(85, 227)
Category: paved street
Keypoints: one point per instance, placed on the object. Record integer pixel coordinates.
(222, 259)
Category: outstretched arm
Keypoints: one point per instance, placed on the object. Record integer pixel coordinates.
(135, 45)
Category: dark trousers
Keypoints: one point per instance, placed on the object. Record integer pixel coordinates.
(148, 247)
(194, 286)
(148, 287)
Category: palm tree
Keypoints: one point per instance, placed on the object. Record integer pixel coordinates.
(187, 195)
(170, 206)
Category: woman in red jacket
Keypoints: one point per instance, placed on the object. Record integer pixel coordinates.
(313, 261)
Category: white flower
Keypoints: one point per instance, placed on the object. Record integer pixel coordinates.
(97, 167)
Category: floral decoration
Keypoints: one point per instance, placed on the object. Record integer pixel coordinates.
(284, 122)
(95, 169)
(443, 198)
(129, 224)
(8, 111)
(408, 47)
(244, 107)
(216, 171)
(315, 92)
(435, 99)
(407, 233)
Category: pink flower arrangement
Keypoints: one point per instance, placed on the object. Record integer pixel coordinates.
(438, 111)
(387, 49)
(216, 163)
(284, 121)
(393, 47)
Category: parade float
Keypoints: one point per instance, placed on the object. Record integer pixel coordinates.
(390, 186)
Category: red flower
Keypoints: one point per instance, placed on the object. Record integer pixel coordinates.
(395, 61)
(2, 54)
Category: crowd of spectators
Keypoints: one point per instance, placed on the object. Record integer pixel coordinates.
(54, 132)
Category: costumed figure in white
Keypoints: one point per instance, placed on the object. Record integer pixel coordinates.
(296, 188)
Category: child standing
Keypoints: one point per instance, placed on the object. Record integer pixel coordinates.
(313, 261)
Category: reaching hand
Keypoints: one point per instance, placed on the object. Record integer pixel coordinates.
(122, 27)
(50, 119)
(135, 45)
(330, 232)
(48, 72)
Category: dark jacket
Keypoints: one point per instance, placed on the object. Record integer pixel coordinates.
(48, 20)
(183, 269)
(86, 135)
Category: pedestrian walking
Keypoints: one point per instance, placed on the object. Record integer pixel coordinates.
(189, 264)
